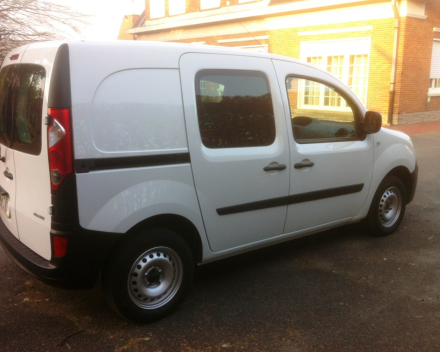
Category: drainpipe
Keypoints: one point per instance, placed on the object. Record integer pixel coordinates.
(394, 63)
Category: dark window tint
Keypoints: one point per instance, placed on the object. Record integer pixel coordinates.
(234, 109)
(318, 112)
(21, 103)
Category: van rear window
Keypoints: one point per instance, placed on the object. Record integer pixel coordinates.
(21, 104)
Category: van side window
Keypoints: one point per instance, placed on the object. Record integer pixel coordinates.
(318, 113)
(21, 105)
(234, 109)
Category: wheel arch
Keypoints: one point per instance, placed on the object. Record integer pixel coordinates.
(404, 175)
(176, 223)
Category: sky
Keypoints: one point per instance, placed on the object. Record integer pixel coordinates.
(106, 16)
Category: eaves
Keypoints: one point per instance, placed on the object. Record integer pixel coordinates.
(241, 12)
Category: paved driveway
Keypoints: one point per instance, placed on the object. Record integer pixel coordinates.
(336, 291)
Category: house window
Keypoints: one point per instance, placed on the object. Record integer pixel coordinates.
(434, 84)
(157, 8)
(358, 75)
(315, 116)
(209, 4)
(177, 7)
(346, 59)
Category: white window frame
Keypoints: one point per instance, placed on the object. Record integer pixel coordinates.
(209, 4)
(157, 9)
(338, 47)
(177, 7)
(435, 69)
(321, 106)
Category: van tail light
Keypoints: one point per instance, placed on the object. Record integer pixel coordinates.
(59, 143)
(59, 246)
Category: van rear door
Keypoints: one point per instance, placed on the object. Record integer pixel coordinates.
(33, 202)
(7, 169)
(26, 136)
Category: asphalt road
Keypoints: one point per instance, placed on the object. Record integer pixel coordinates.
(336, 291)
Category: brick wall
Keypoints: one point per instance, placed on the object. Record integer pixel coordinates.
(415, 50)
(414, 57)
(190, 6)
(214, 40)
(287, 42)
(127, 22)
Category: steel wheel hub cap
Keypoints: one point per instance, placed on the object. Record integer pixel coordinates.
(390, 207)
(155, 278)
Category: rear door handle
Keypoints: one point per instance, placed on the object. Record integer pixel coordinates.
(303, 165)
(8, 175)
(275, 167)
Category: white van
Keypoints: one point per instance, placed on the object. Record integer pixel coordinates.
(139, 160)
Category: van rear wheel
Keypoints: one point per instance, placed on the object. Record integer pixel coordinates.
(149, 275)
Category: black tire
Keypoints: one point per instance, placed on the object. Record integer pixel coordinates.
(148, 276)
(387, 208)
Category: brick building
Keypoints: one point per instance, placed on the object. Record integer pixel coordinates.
(368, 44)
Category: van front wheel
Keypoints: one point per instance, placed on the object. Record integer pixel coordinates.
(388, 207)
(148, 277)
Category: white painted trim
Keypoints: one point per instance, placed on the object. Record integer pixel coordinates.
(336, 30)
(244, 27)
(413, 8)
(264, 47)
(252, 46)
(345, 47)
(242, 39)
(436, 40)
(434, 92)
(198, 43)
(209, 4)
(352, 46)
(420, 17)
(327, 11)
(436, 29)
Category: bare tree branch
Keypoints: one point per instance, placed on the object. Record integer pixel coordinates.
(26, 21)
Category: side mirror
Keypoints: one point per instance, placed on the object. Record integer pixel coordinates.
(372, 122)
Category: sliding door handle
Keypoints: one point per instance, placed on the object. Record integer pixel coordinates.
(8, 175)
(303, 165)
(275, 167)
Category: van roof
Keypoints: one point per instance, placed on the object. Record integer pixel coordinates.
(169, 53)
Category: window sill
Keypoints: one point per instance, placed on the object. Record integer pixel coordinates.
(434, 92)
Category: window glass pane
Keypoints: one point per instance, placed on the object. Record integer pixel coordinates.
(234, 109)
(177, 7)
(335, 65)
(209, 4)
(7, 76)
(435, 60)
(157, 8)
(22, 88)
(326, 121)
(357, 75)
(315, 60)
(312, 93)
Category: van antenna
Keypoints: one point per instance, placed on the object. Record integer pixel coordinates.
(267, 50)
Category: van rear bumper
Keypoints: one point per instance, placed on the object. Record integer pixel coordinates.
(78, 269)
